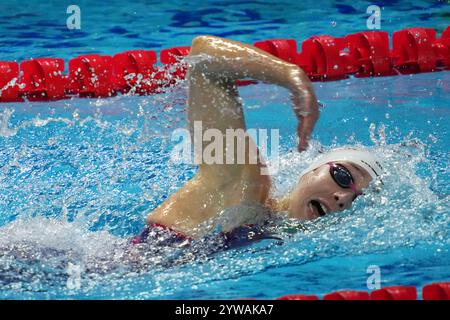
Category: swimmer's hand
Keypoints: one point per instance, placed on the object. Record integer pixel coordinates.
(235, 60)
(304, 104)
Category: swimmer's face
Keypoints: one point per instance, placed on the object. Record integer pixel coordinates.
(318, 194)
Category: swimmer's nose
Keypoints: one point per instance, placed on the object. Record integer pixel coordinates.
(343, 200)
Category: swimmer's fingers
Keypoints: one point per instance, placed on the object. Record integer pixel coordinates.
(306, 109)
(304, 129)
(304, 103)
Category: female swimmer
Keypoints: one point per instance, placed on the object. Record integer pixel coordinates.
(222, 195)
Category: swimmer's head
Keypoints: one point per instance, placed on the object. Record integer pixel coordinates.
(333, 182)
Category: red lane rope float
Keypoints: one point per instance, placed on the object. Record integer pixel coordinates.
(436, 291)
(347, 295)
(321, 58)
(285, 49)
(433, 291)
(42, 79)
(90, 76)
(173, 69)
(298, 297)
(395, 293)
(9, 74)
(412, 50)
(324, 58)
(134, 72)
(442, 49)
(369, 54)
(173, 55)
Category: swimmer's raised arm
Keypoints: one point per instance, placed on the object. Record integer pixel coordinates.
(214, 107)
(233, 60)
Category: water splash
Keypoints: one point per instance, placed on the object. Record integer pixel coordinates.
(5, 130)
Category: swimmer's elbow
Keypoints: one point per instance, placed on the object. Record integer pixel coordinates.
(199, 40)
(201, 44)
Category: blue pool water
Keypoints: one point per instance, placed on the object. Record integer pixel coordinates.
(79, 176)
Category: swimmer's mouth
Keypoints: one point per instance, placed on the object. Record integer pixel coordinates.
(320, 207)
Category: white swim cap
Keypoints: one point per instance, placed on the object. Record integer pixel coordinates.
(362, 158)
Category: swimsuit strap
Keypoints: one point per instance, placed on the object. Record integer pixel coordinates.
(142, 237)
(176, 233)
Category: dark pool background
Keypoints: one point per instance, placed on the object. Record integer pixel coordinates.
(78, 176)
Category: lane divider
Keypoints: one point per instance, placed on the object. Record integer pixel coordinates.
(413, 50)
(298, 297)
(433, 291)
(42, 78)
(347, 295)
(9, 75)
(324, 58)
(89, 76)
(135, 71)
(436, 291)
(395, 293)
(369, 53)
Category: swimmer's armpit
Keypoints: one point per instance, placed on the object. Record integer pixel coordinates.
(222, 58)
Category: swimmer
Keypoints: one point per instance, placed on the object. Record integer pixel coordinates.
(331, 184)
